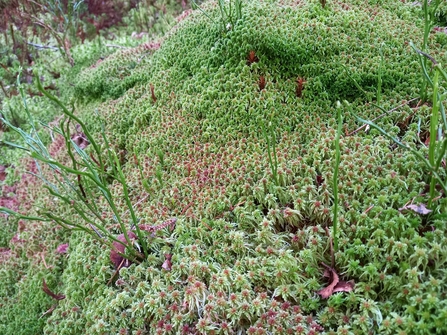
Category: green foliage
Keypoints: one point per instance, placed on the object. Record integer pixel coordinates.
(230, 13)
(437, 146)
(27, 259)
(9, 227)
(253, 228)
(109, 78)
(21, 311)
(92, 179)
(441, 14)
(270, 139)
(429, 10)
(203, 64)
(151, 18)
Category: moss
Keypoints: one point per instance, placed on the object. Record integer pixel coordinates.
(247, 249)
(24, 267)
(20, 310)
(203, 71)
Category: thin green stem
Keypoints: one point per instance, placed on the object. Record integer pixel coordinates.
(74, 117)
(421, 157)
(79, 199)
(202, 11)
(129, 205)
(335, 179)
(357, 84)
(433, 135)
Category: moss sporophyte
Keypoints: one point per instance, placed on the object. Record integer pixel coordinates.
(209, 182)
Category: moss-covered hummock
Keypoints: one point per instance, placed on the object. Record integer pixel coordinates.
(247, 248)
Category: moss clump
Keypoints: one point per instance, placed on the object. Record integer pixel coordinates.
(246, 250)
(203, 71)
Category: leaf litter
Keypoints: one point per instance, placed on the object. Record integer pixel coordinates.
(335, 285)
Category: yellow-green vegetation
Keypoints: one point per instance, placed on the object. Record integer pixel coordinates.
(229, 127)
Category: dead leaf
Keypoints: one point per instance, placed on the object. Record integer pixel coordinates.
(51, 294)
(419, 209)
(62, 248)
(2, 167)
(344, 286)
(336, 285)
(328, 290)
(80, 138)
(319, 179)
(167, 265)
(118, 248)
(52, 308)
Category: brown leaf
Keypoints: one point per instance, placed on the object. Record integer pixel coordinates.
(52, 308)
(2, 169)
(118, 248)
(261, 83)
(344, 286)
(299, 87)
(62, 248)
(56, 75)
(252, 58)
(80, 138)
(336, 285)
(51, 294)
(154, 98)
(319, 179)
(419, 209)
(167, 265)
(328, 290)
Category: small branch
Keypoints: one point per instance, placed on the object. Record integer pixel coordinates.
(96, 231)
(45, 263)
(39, 46)
(116, 272)
(427, 56)
(82, 188)
(4, 90)
(144, 55)
(368, 209)
(52, 308)
(5, 67)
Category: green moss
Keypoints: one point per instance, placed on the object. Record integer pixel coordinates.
(241, 237)
(203, 71)
(247, 250)
(23, 270)
(20, 310)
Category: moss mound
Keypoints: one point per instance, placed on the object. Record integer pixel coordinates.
(206, 69)
(248, 246)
